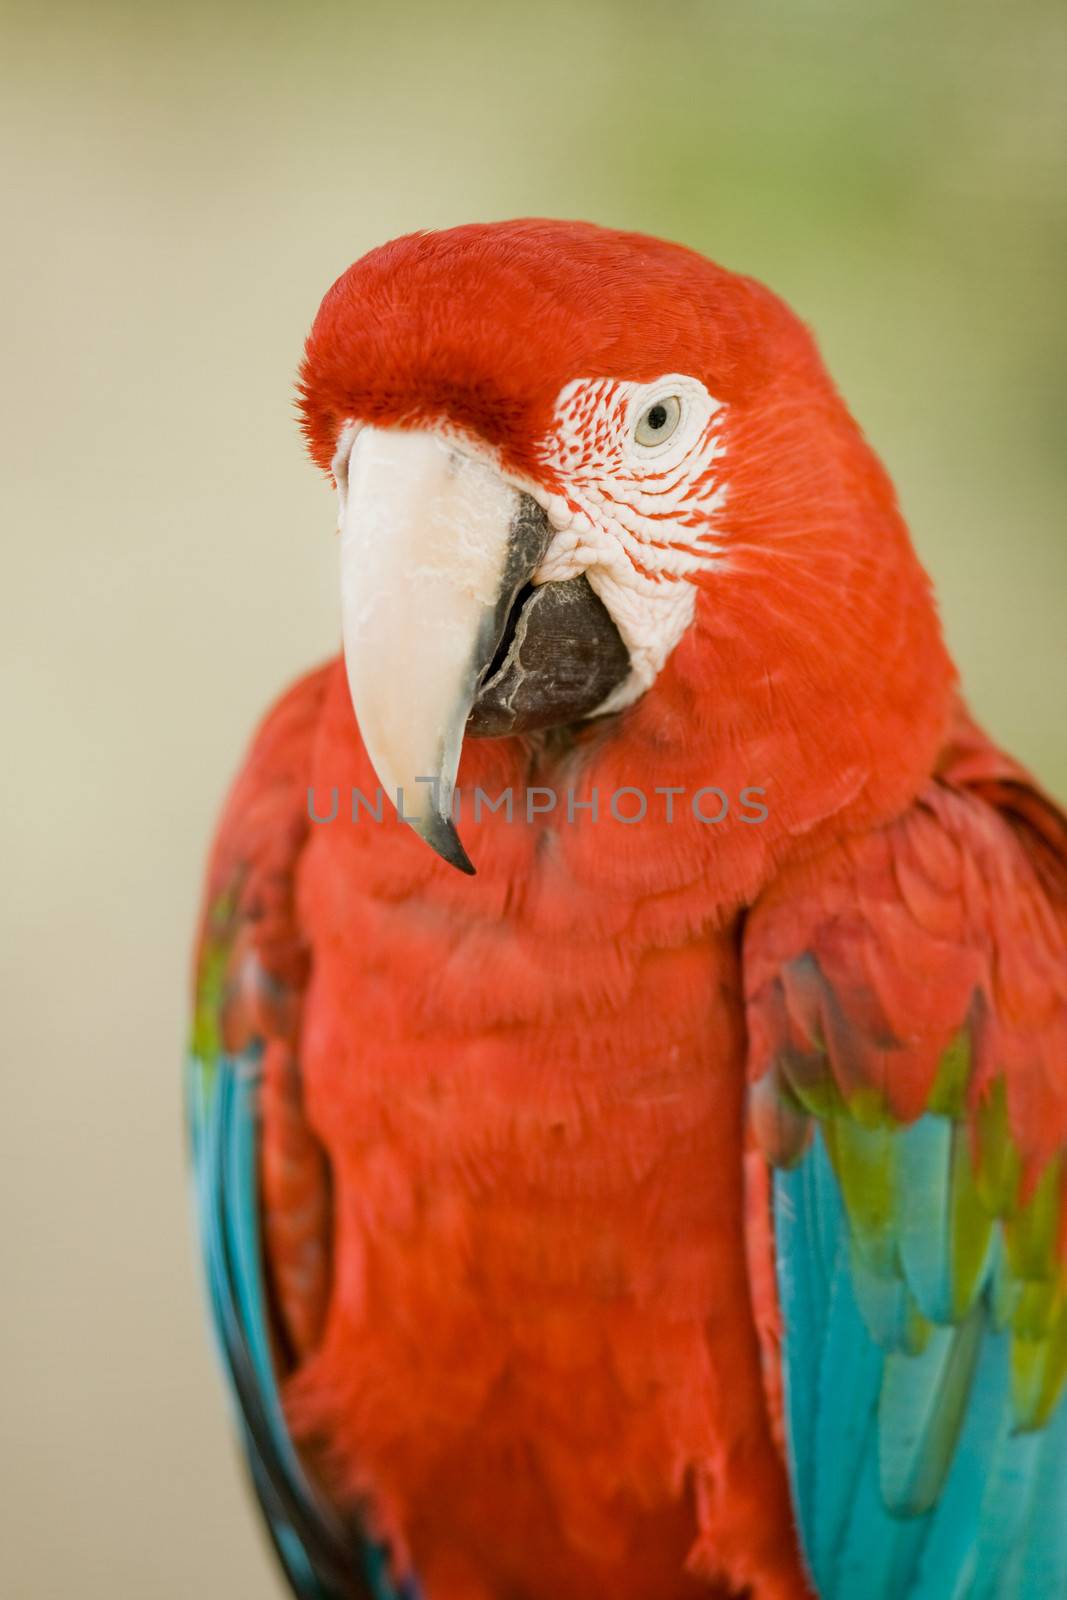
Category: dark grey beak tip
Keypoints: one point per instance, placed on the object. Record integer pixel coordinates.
(441, 836)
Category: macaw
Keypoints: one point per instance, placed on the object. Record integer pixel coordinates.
(630, 1155)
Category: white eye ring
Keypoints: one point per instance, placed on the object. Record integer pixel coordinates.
(658, 421)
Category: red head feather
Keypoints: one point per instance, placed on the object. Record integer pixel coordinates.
(815, 661)
(485, 324)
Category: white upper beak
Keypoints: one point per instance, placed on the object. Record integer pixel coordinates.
(424, 550)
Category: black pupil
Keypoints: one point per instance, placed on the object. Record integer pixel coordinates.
(657, 416)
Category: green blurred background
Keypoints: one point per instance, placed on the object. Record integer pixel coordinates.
(182, 184)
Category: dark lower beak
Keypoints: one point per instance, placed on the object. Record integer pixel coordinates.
(557, 655)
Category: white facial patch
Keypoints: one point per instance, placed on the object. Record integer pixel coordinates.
(637, 512)
(639, 506)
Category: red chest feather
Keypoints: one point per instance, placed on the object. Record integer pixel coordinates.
(540, 1355)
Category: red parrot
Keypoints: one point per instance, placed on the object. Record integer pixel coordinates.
(670, 1202)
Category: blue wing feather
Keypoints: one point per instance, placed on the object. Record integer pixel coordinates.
(849, 1371)
(324, 1559)
(909, 1479)
(1043, 1568)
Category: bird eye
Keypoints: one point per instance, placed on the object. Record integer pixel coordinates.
(658, 421)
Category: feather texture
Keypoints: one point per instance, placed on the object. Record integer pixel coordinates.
(908, 994)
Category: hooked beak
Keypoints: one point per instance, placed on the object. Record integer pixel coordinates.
(437, 552)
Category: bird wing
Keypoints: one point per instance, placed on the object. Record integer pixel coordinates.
(261, 1186)
(907, 1009)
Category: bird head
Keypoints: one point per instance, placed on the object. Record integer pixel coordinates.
(573, 463)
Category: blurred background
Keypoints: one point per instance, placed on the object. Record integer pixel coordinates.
(182, 184)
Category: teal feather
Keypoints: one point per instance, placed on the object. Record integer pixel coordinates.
(908, 1479)
(803, 1292)
(809, 1212)
(1043, 1567)
(920, 1413)
(850, 1369)
(324, 1560)
(945, 1568)
(875, 1548)
(1011, 1481)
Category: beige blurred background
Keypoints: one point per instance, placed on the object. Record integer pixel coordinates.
(182, 184)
